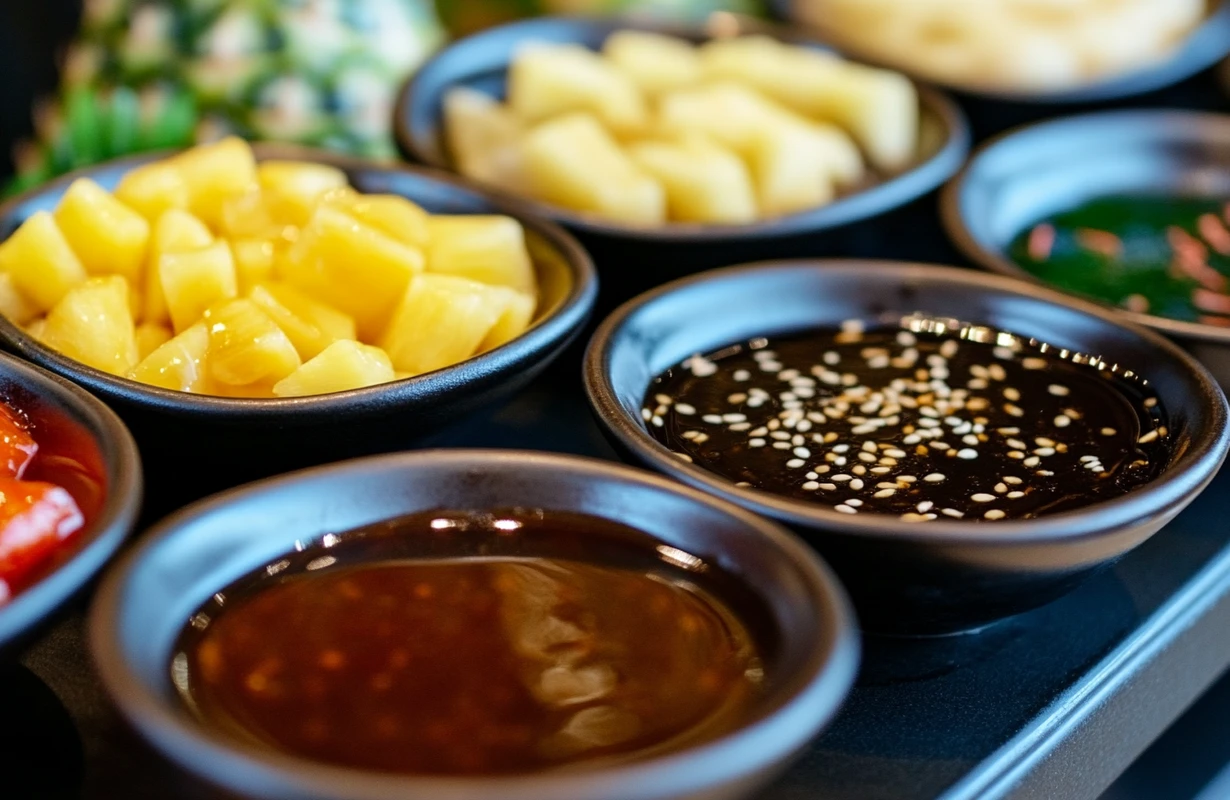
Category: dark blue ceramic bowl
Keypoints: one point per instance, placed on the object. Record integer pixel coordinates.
(72, 424)
(147, 600)
(904, 577)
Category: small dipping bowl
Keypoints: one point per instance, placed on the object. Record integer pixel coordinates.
(633, 258)
(221, 441)
(905, 577)
(146, 602)
(68, 423)
(1028, 175)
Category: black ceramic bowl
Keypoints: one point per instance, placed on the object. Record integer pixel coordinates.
(1203, 48)
(636, 258)
(905, 577)
(1024, 176)
(70, 424)
(196, 444)
(145, 602)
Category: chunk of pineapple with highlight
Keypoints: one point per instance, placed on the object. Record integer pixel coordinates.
(655, 62)
(254, 260)
(40, 261)
(246, 215)
(214, 173)
(704, 181)
(394, 216)
(343, 365)
(194, 280)
(484, 138)
(335, 324)
(108, 237)
(441, 321)
(13, 304)
(574, 163)
(485, 248)
(513, 321)
(179, 363)
(307, 338)
(93, 324)
(151, 336)
(175, 231)
(246, 346)
(293, 188)
(545, 80)
(152, 189)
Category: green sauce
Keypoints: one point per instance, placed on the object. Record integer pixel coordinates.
(1165, 256)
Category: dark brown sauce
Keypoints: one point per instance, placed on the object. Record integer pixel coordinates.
(925, 420)
(496, 662)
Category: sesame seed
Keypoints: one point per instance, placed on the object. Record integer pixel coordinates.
(685, 409)
(1148, 437)
(994, 513)
(1058, 390)
(982, 497)
(881, 470)
(802, 452)
(1032, 461)
(855, 502)
(856, 484)
(656, 421)
(1012, 394)
(967, 454)
(1045, 452)
(811, 486)
(868, 457)
(739, 427)
(828, 487)
(755, 442)
(925, 506)
(712, 419)
(885, 493)
(1015, 495)
(886, 485)
(934, 477)
(841, 478)
(795, 463)
(951, 512)
(1013, 410)
(1012, 480)
(1001, 487)
(1062, 421)
(781, 445)
(844, 509)
(646, 414)
(1109, 431)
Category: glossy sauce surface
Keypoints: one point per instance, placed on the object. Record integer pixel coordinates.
(489, 664)
(916, 422)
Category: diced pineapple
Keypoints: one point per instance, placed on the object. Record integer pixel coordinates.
(294, 187)
(246, 346)
(545, 80)
(246, 215)
(307, 337)
(175, 231)
(13, 304)
(253, 262)
(179, 364)
(41, 263)
(333, 323)
(154, 188)
(341, 366)
(574, 163)
(441, 321)
(704, 181)
(392, 215)
(108, 237)
(151, 336)
(655, 62)
(194, 280)
(353, 267)
(518, 312)
(792, 174)
(215, 172)
(486, 248)
(484, 138)
(93, 325)
(37, 328)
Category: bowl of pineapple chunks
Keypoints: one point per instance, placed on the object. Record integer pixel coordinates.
(281, 305)
(630, 128)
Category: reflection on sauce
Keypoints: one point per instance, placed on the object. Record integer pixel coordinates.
(480, 665)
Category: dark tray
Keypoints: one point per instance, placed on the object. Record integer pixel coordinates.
(1053, 704)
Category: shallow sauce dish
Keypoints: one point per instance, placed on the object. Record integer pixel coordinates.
(139, 613)
(70, 425)
(942, 575)
(236, 439)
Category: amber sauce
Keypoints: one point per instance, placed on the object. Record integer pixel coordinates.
(373, 653)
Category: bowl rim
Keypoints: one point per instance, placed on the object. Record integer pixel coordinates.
(112, 523)
(952, 211)
(828, 678)
(1181, 479)
(1205, 45)
(890, 193)
(565, 319)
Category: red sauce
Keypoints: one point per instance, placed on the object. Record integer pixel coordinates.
(481, 665)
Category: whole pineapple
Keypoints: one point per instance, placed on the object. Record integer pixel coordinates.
(149, 74)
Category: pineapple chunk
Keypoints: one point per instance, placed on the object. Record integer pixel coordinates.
(175, 231)
(178, 364)
(441, 321)
(37, 328)
(704, 181)
(341, 366)
(518, 312)
(656, 63)
(574, 163)
(194, 280)
(293, 188)
(354, 267)
(151, 336)
(545, 80)
(13, 304)
(307, 338)
(152, 189)
(484, 138)
(93, 324)
(246, 346)
(253, 262)
(108, 237)
(489, 249)
(333, 323)
(792, 173)
(246, 215)
(392, 215)
(40, 262)
(215, 172)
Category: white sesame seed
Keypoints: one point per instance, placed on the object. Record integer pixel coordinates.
(886, 486)
(656, 421)
(934, 477)
(1012, 394)
(1062, 421)
(1001, 487)
(781, 445)
(841, 478)
(683, 457)
(856, 484)
(802, 452)
(1150, 402)
(967, 454)
(795, 463)
(1015, 481)
(1042, 441)
(646, 414)
(994, 513)
(885, 493)
(755, 442)
(855, 502)
(1045, 452)
(1034, 363)
(739, 427)
(895, 453)
(828, 487)
(1015, 495)
(951, 512)
(1015, 411)
(1017, 444)
(845, 509)
(736, 398)
(982, 497)
(906, 479)
(1032, 461)
(1148, 437)
(712, 419)
(1109, 431)
(811, 486)
(868, 457)
(925, 506)
(685, 409)
(880, 470)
